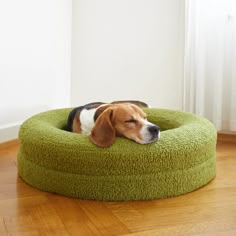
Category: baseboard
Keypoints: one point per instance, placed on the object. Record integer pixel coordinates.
(226, 137)
(8, 144)
(9, 132)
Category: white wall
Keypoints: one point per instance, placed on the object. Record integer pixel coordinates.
(128, 49)
(34, 60)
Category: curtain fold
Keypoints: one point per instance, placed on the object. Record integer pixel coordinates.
(210, 61)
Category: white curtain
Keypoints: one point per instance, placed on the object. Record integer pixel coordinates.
(210, 61)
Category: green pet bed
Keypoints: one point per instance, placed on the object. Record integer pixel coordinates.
(55, 160)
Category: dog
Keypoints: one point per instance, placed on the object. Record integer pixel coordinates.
(102, 122)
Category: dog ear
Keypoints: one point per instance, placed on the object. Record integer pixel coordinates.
(103, 133)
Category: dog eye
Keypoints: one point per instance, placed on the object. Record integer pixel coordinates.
(131, 121)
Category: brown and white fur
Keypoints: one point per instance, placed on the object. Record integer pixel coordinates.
(102, 122)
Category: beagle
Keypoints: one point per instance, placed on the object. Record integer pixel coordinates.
(102, 122)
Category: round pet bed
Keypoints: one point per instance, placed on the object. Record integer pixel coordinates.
(55, 160)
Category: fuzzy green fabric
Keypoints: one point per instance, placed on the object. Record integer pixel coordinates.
(55, 160)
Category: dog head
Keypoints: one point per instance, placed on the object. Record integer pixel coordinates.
(125, 120)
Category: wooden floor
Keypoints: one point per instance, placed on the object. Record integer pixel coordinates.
(210, 210)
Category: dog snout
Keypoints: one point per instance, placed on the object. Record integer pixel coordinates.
(154, 130)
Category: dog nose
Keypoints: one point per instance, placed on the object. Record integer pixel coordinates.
(154, 130)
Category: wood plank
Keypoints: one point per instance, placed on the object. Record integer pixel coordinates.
(74, 218)
(103, 219)
(221, 227)
(3, 229)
